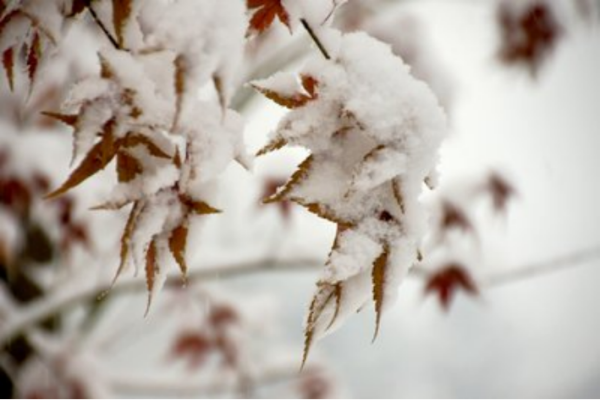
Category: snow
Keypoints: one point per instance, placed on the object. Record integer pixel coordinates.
(372, 127)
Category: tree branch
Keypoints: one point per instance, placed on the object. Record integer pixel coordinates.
(78, 292)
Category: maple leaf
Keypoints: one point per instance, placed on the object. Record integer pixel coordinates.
(378, 277)
(177, 245)
(500, 190)
(8, 61)
(326, 293)
(126, 237)
(95, 160)
(447, 281)
(528, 37)
(266, 11)
(128, 167)
(297, 177)
(67, 119)
(33, 57)
(275, 144)
(193, 346)
(121, 13)
(295, 100)
(152, 269)
(453, 217)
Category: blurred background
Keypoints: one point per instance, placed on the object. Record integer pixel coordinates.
(504, 303)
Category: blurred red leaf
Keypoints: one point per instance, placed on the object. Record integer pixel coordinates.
(194, 347)
(445, 282)
(500, 190)
(453, 217)
(529, 34)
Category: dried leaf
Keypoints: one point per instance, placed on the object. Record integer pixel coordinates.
(8, 61)
(397, 190)
(202, 208)
(292, 101)
(275, 144)
(128, 167)
(220, 89)
(180, 75)
(177, 245)
(95, 160)
(126, 237)
(453, 217)
(77, 7)
(298, 176)
(265, 14)
(378, 277)
(193, 346)
(135, 139)
(326, 292)
(338, 302)
(67, 119)
(33, 57)
(152, 269)
(121, 13)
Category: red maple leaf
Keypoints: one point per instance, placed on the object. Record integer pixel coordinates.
(194, 347)
(445, 282)
(266, 11)
(528, 36)
(500, 190)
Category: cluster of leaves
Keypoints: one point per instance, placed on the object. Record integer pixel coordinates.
(360, 175)
(215, 335)
(139, 112)
(450, 273)
(35, 245)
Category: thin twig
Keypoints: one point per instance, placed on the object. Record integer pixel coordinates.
(315, 39)
(69, 297)
(99, 22)
(543, 268)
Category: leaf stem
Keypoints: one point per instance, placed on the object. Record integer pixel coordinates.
(99, 22)
(315, 39)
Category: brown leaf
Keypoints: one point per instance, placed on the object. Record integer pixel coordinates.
(121, 13)
(292, 101)
(378, 277)
(193, 346)
(297, 177)
(275, 144)
(180, 75)
(126, 237)
(198, 207)
(177, 245)
(136, 139)
(95, 160)
(33, 57)
(152, 269)
(528, 34)
(453, 217)
(77, 7)
(67, 119)
(8, 61)
(128, 167)
(323, 212)
(448, 280)
(500, 190)
(266, 11)
(325, 293)
(397, 190)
